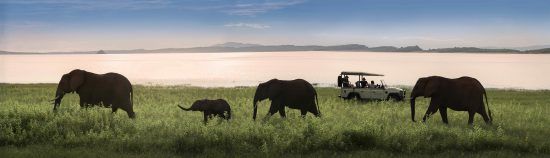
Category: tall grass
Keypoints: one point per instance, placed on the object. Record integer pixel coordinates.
(27, 120)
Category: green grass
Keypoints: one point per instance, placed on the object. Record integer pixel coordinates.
(28, 127)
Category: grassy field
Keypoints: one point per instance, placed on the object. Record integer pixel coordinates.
(28, 127)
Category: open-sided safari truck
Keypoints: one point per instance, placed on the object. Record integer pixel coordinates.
(363, 89)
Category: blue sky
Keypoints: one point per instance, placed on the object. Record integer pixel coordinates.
(71, 25)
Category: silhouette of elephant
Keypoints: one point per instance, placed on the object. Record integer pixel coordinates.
(460, 94)
(109, 90)
(211, 108)
(295, 94)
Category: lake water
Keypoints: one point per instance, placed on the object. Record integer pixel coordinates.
(527, 71)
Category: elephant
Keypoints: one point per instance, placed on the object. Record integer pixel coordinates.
(295, 94)
(460, 94)
(108, 90)
(211, 108)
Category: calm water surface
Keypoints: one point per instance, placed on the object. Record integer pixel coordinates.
(529, 71)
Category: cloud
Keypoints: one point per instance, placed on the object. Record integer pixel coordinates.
(246, 8)
(94, 5)
(248, 25)
(251, 9)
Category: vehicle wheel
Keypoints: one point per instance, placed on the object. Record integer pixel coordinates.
(358, 97)
(394, 97)
(353, 96)
(350, 96)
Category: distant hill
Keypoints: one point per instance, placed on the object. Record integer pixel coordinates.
(539, 51)
(348, 47)
(395, 49)
(236, 45)
(246, 47)
(239, 47)
(471, 50)
(523, 48)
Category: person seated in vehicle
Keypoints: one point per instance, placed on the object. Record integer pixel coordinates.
(345, 81)
(363, 82)
(372, 85)
(340, 79)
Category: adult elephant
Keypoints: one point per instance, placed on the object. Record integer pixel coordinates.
(295, 94)
(460, 94)
(110, 90)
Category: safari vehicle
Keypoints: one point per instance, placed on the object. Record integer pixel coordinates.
(364, 90)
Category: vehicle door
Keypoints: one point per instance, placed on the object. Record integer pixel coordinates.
(376, 93)
(363, 92)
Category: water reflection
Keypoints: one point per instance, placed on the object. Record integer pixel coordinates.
(528, 71)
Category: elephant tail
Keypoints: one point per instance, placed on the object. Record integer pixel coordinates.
(131, 96)
(487, 102)
(317, 102)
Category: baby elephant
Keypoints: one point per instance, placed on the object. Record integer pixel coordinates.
(211, 108)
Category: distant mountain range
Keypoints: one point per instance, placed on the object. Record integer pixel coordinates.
(525, 48)
(472, 50)
(245, 47)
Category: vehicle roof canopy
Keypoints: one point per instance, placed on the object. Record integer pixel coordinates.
(359, 73)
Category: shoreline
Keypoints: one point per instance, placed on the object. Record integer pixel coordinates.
(407, 87)
(423, 52)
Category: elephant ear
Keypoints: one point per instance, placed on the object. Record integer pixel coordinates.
(275, 88)
(431, 86)
(64, 83)
(205, 105)
(76, 80)
(198, 105)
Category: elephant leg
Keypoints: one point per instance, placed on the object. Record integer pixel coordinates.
(221, 115)
(131, 113)
(228, 115)
(205, 117)
(431, 110)
(282, 111)
(314, 111)
(471, 117)
(443, 112)
(129, 110)
(483, 113)
(303, 112)
(84, 104)
(273, 108)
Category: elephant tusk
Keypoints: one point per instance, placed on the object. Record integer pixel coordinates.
(56, 98)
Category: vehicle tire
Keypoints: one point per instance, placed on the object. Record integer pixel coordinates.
(350, 96)
(394, 97)
(353, 96)
(358, 97)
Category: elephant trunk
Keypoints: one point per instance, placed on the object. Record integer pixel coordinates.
(412, 107)
(186, 109)
(414, 93)
(255, 107)
(57, 100)
(229, 114)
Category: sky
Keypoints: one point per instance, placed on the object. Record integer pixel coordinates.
(83, 25)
